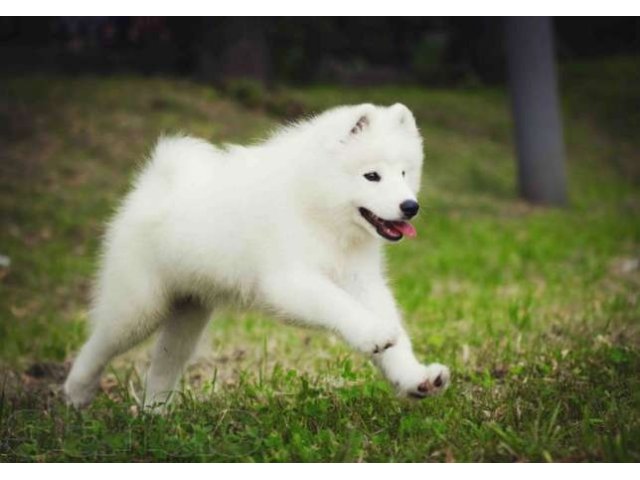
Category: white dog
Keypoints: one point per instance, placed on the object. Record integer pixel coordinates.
(295, 225)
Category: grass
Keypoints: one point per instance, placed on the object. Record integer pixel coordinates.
(536, 310)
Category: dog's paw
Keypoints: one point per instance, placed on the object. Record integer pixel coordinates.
(77, 395)
(433, 381)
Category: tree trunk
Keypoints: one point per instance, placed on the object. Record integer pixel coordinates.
(534, 97)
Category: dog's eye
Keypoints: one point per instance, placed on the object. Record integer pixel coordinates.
(372, 176)
(403, 173)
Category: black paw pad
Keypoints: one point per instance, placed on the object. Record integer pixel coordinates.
(424, 387)
(380, 350)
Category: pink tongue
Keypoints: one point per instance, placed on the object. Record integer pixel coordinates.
(405, 228)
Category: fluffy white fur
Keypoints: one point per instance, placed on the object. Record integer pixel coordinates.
(276, 224)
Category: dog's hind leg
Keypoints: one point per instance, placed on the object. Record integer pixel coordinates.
(122, 318)
(178, 338)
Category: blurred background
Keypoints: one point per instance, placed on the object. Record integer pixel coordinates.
(349, 51)
(255, 60)
(524, 277)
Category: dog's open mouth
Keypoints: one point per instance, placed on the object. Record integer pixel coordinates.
(391, 230)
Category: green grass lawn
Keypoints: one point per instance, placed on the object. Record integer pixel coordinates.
(536, 310)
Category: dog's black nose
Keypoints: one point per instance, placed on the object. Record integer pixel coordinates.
(409, 208)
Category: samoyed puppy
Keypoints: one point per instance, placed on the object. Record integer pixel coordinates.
(295, 225)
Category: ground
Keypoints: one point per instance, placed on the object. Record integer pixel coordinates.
(536, 310)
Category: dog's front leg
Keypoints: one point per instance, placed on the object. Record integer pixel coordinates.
(398, 364)
(315, 300)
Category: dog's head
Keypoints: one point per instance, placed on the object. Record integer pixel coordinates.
(379, 163)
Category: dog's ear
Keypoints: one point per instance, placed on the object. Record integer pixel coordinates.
(404, 116)
(361, 124)
(364, 114)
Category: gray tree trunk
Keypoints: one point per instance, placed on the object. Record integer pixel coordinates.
(534, 97)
